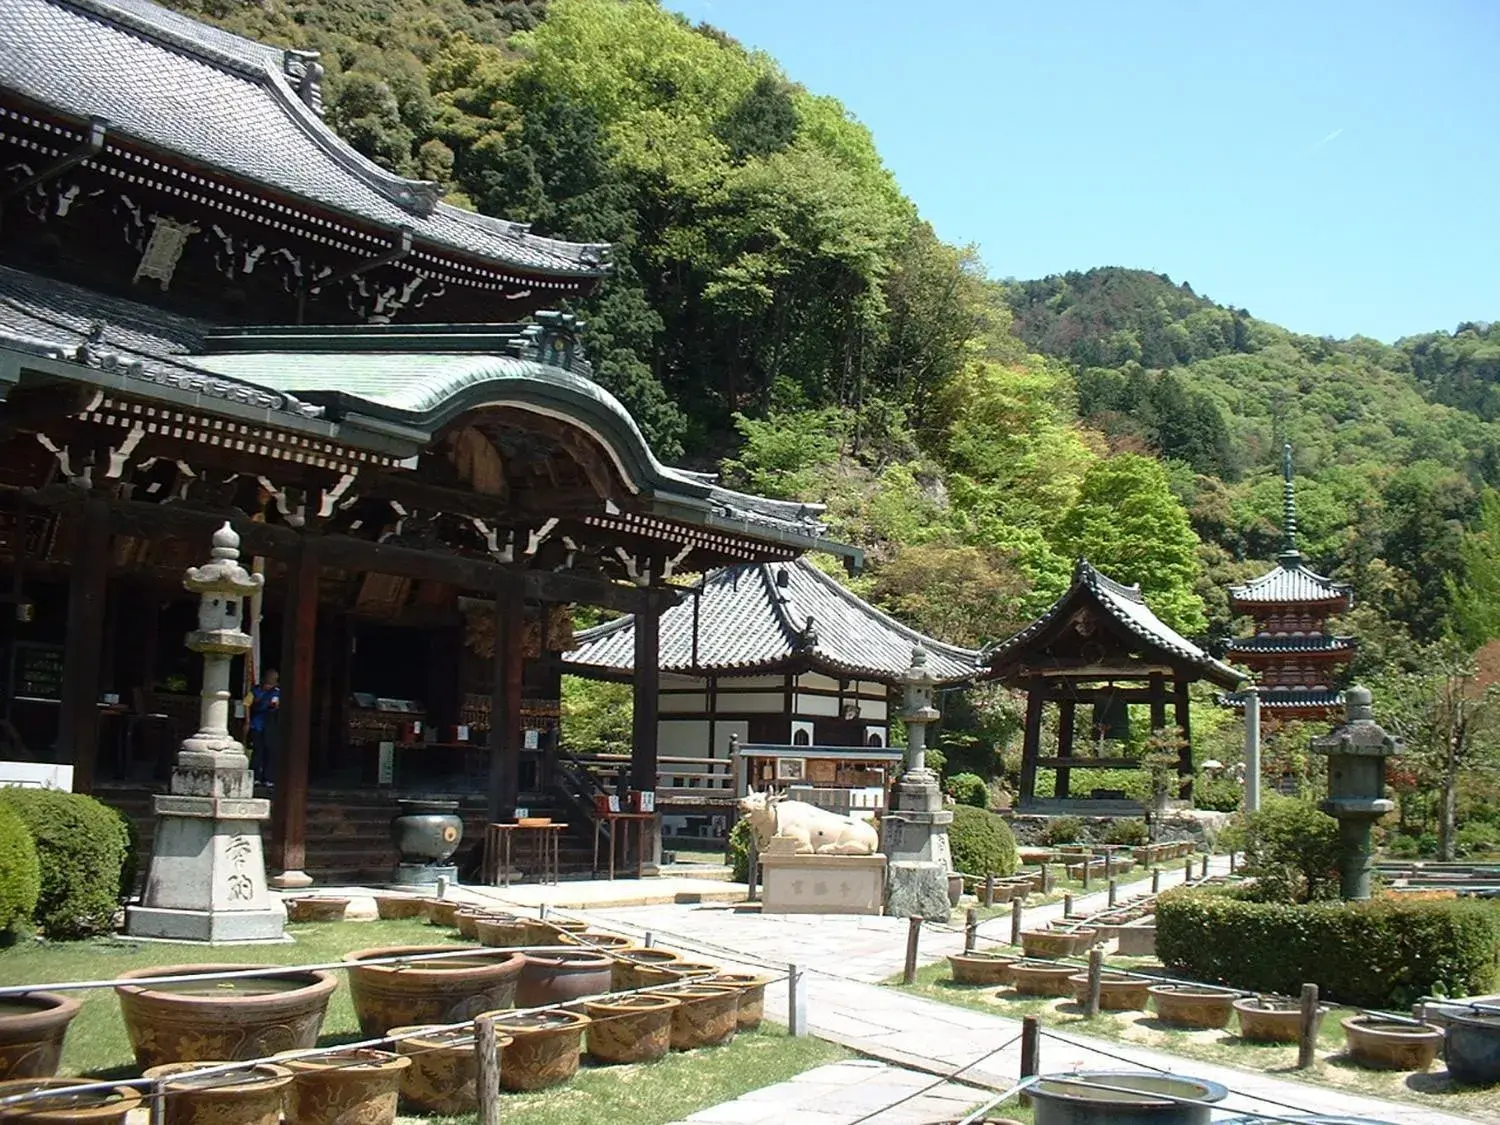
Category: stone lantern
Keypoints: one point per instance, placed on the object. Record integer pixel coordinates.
(208, 874)
(1357, 753)
(914, 831)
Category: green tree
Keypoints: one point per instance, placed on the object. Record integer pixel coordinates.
(1476, 596)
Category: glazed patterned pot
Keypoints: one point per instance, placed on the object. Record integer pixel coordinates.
(637, 967)
(399, 906)
(568, 974)
(441, 1078)
(1190, 1005)
(32, 1029)
(752, 988)
(103, 1107)
(449, 990)
(245, 1018)
(1058, 943)
(543, 1049)
(249, 1096)
(1118, 992)
(467, 920)
(358, 1087)
(631, 1029)
(1382, 1044)
(551, 931)
(1270, 1019)
(501, 931)
(1041, 978)
(706, 1015)
(315, 909)
(685, 970)
(441, 911)
(981, 968)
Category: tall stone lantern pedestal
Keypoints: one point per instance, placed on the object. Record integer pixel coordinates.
(914, 831)
(208, 873)
(1356, 752)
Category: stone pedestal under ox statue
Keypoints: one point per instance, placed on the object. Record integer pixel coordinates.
(208, 872)
(914, 832)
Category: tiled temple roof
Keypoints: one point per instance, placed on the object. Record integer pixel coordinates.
(1279, 643)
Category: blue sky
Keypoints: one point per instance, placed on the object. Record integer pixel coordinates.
(1331, 166)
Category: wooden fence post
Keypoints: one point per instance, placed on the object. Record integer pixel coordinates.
(1156, 880)
(1047, 880)
(989, 889)
(971, 929)
(487, 1071)
(1096, 981)
(1015, 921)
(1187, 870)
(1204, 873)
(1088, 867)
(1031, 1043)
(913, 932)
(1113, 890)
(1067, 904)
(796, 1008)
(1109, 863)
(1307, 1041)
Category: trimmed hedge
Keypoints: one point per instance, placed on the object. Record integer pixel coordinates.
(737, 850)
(968, 789)
(981, 842)
(20, 873)
(1385, 953)
(82, 847)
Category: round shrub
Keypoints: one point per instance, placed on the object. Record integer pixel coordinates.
(1063, 830)
(1217, 794)
(981, 842)
(737, 850)
(968, 789)
(1292, 851)
(20, 873)
(81, 846)
(1132, 831)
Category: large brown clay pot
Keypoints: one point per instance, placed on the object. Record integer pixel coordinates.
(390, 907)
(502, 931)
(1193, 1005)
(32, 1029)
(355, 1087)
(1042, 978)
(1057, 943)
(590, 940)
(752, 988)
(634, 967)
(543, 1049)
(1118, 992)
(981, 968)
(568, 974)
(467, 920)
(313, 909)
(1271, 1019)
(631, 1029)
(1383, 1044)
(441, 911)
(102, 1107)
(447, 990)
(552, 930)
(249, 1096)
(442, 1076)
(706, 1015)
(243, 1018)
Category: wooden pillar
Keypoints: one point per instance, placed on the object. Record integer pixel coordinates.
(1184, 726)
(78, 717)
(647, 687)
(1065, 714)
(1032, 744)
(1158, 702)
(291, 750)
(505, 701)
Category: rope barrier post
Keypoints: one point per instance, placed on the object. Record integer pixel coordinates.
(1307, 1037)
(1015, 921)
(1205, 866)
(989, 889)
(971, 929)
(1113, 890)
(1047, 879)
(913, 932)
(1031, 1047)
(1109, 863)
(1156, 880)
(1187, 870)
(1231, 863)
(1088, 867)
(648, 941)
(796, 1005)
(1067, 904)
(487, 1071)
(1096, 981)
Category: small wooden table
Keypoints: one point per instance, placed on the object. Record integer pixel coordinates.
(499, 847)
(614, 836)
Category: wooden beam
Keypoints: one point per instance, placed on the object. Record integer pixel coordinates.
(78, 716)
(299, 632)
(647, 684)
(1158, 702)
(1062, 764)
(1031, 745)
(505, 702)
(1065, 716)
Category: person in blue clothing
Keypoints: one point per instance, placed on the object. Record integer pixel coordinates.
(265, 704)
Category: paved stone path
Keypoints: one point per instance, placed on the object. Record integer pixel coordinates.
(846, 956)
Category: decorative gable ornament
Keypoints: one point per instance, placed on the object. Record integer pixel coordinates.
(163, 250)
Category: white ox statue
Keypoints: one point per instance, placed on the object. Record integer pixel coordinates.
(814, 829)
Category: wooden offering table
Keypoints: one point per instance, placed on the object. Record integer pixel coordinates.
(499, 848)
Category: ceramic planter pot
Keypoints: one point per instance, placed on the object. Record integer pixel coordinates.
(543, 1049)
(427, 832)
(467, 920)
(568, 974)
(1118, 992)
(442, 1075)
(752, 988)
(706, 1015)
(251, 1095)
(244, 1018)
(690, 970)
(1383, 1044)
(590, 940)
(1471, 1042)
(502, 932)
(391, 907)
(441, 911)
(981, 968)
(1189, 1005)
(316, 909)
(358, 1087)
(1270, 1019)
(1042, 978)
(449, 990)
(1058, 943)
(32, 1029)
(102, 1107)
(631, 1029)
(634, 967)
(551, 932)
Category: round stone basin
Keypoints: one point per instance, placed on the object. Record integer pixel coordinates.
(1134, 1098)
(981, 968)
(32, 1029)
(1195, 1006)
(1057, 943)
(1386, 1044)
(243, 1018)
(1272, 1019)
(1471, 1045)
(1118, 992)
(101, 1107)
(1042, 978)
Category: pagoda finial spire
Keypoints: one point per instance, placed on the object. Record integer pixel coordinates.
(1288, 503)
